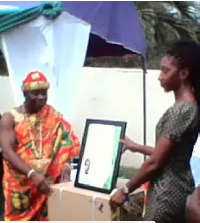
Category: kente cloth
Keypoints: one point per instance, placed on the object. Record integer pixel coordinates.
(23, 201)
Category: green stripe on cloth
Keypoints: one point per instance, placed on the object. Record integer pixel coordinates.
(12, 18)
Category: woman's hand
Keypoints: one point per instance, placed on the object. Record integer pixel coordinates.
(117, 199)
(129, 145)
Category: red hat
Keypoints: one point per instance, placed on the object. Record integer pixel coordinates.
(35, 80)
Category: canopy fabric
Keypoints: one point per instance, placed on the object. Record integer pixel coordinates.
(115, 21)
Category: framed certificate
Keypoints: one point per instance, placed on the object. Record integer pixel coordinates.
(100, 155)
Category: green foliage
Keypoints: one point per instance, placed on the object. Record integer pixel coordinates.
(185, 9)
(165, 22)
(128, 61)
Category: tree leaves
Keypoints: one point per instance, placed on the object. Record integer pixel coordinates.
(165, 22)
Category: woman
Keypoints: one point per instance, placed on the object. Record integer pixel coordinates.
(168, 168)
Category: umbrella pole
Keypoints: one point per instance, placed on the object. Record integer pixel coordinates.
(144, 103)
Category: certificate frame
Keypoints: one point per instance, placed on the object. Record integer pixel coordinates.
(100, 177)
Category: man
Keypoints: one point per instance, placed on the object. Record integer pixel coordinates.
(36, 143)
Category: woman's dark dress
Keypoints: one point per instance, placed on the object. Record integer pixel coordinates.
(174, 182)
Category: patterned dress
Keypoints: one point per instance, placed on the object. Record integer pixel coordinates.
(174, 182)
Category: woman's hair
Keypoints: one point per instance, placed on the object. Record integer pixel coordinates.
(187, 55)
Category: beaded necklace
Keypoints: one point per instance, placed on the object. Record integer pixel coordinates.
(38, 151)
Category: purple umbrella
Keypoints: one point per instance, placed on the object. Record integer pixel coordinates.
(116, 22)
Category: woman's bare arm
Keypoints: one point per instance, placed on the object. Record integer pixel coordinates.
(152, 165)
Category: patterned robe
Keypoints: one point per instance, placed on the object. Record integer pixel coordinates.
(23, 202)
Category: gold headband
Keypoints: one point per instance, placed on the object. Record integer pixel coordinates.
(36, 85)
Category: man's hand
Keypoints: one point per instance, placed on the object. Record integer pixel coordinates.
(42, 184)
(65, 173)
(117, 199)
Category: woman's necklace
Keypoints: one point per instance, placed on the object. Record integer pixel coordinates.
(38, 151)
